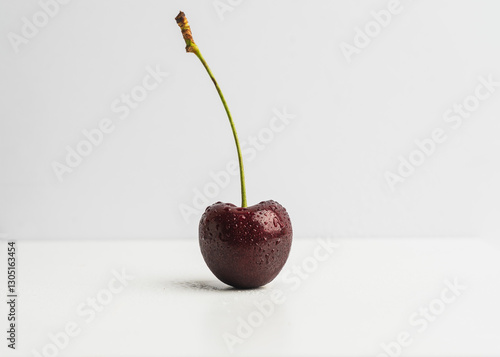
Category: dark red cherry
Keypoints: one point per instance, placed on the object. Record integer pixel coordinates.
(245, 247)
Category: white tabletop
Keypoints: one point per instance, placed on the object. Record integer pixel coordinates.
(335, 297)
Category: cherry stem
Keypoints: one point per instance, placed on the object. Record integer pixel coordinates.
(192, 47)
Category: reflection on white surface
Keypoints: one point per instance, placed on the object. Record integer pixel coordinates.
(354, 300)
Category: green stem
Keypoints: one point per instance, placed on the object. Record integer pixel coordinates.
(192, 47)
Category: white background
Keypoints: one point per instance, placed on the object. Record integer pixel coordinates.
(352, 120)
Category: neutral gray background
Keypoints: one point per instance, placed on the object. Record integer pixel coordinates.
(352, 119)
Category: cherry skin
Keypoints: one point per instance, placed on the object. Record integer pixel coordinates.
(245, 247)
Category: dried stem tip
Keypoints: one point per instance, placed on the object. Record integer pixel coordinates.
(186, 32)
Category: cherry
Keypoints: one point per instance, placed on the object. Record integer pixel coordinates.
(245, 247)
